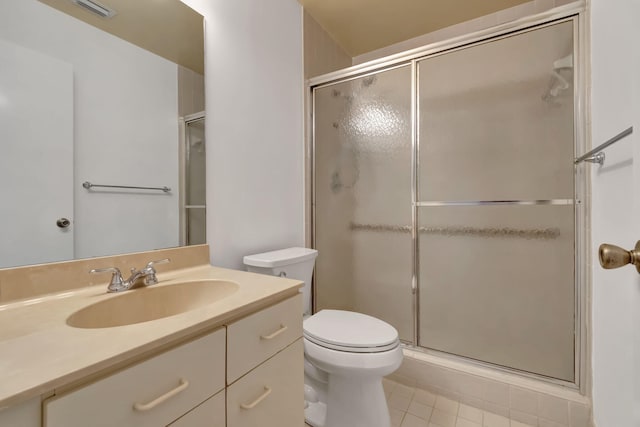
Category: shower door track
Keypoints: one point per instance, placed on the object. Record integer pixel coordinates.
(571, 12)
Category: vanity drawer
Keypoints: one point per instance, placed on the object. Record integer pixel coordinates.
(210, 413)
(272, 395)
(252, 340)
(152, 393)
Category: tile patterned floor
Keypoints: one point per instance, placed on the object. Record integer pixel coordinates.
(413, 407)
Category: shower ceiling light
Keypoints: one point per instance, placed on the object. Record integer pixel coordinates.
(96, 8)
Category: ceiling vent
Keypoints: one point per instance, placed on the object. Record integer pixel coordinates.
(96, 8)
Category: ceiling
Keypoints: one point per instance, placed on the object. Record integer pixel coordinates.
(361, 26)
(168, 28)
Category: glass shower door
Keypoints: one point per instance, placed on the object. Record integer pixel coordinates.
(362, 153)
(195, 183)
(496, 202)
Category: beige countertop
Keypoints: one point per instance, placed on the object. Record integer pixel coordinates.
(39, 352)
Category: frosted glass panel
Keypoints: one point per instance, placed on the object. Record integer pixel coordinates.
(496, 119)
(363, 187)
(497, 285)
(496, 123)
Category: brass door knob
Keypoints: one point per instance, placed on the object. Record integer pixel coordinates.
(612, 256)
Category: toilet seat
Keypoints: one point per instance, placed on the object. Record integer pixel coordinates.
(346, 363)
(350, 332)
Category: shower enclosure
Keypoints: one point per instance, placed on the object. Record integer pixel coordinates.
(193, 181)
(445, 199)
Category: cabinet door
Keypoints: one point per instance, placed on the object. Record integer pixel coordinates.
(210, 413)
(152, 393)
(272, 394)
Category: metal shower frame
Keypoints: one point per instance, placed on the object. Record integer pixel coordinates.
(574, 12)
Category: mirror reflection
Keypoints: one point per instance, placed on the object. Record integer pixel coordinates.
(80, 104)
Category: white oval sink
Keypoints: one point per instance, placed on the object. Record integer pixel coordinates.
(151, 303)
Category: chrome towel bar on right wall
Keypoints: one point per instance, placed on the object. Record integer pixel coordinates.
(596, 155)
(612, 256)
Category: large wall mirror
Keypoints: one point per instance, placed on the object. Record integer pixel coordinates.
(85, 98)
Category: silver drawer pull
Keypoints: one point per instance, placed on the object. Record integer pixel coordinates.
(146, 406)
(263, 396)
(275, 334)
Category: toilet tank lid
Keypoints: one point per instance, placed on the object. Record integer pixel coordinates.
(280, 257)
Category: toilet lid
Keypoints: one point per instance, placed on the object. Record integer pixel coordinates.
(349, 331)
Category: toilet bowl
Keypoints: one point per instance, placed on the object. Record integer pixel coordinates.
(346, 353)
(354, 351)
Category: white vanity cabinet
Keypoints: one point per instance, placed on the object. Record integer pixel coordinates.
(247, 373)
(152, 393)
(265, 371)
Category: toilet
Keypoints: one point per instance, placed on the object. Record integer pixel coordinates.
(346, 353)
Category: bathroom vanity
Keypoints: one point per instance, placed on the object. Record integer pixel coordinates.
(236, 361)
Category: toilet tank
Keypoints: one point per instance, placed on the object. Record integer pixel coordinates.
(293, 263)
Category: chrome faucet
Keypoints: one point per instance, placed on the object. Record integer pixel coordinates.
(146, 276)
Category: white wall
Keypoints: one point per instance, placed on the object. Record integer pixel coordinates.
(616, 209)
(322, 54)
(125, 132)
(255, 148)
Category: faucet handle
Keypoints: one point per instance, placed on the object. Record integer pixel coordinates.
(117, 283)
(150, 264)
(150, 272)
